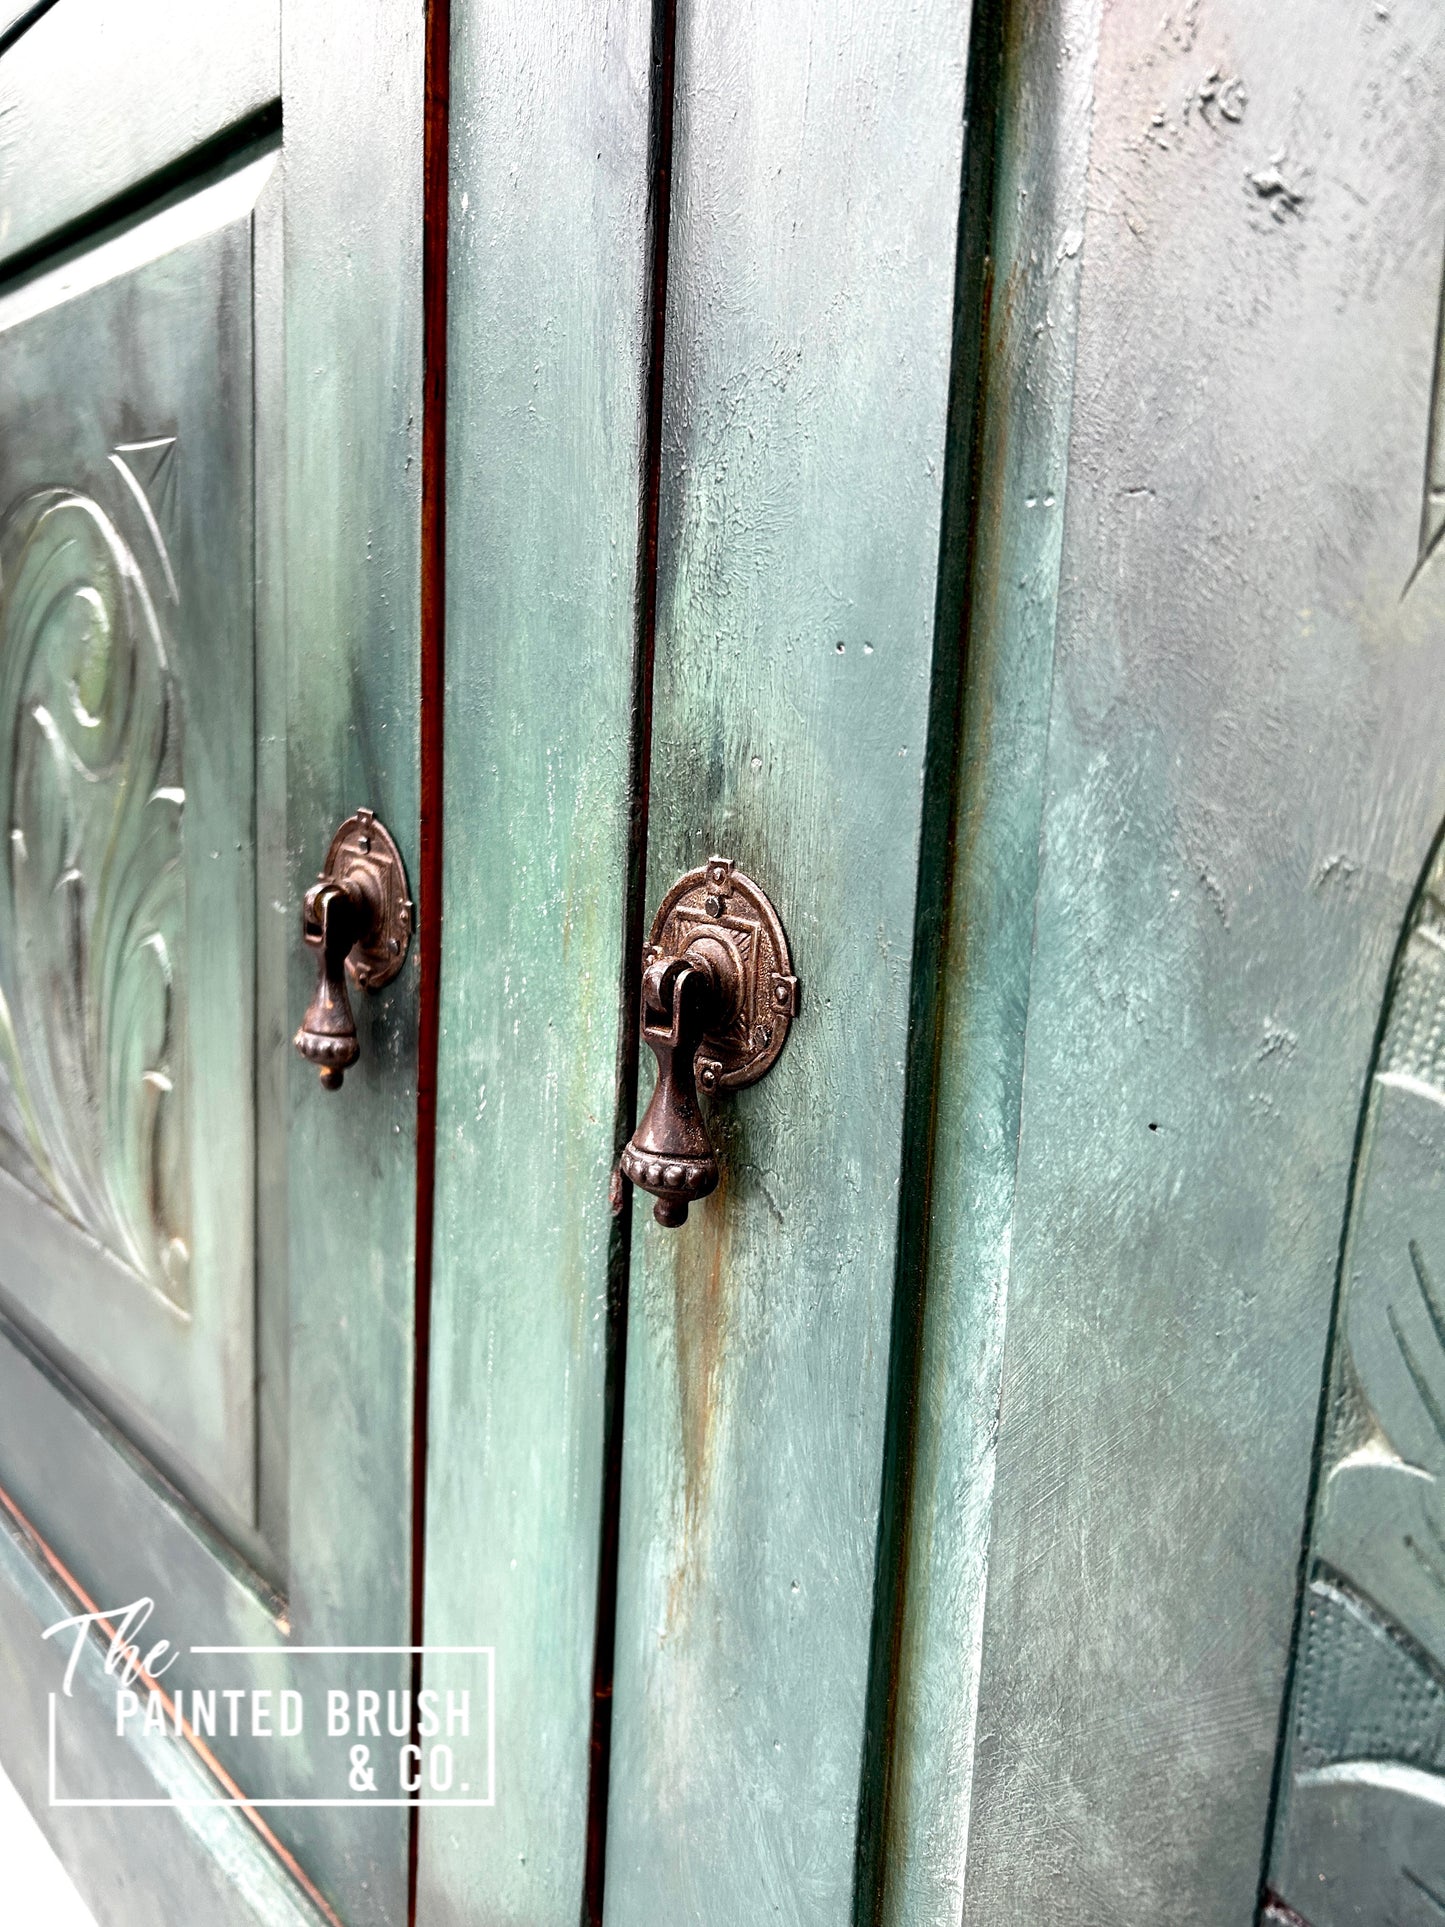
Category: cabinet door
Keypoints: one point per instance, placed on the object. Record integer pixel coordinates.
(210, 407)
(983, 477)
(703, 596)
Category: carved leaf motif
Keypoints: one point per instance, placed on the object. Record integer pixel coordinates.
(1382, 1521)
(1359, 1835)
(92, 912)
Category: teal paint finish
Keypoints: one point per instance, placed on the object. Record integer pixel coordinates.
(815, 177)
(352, 533)
(324, 395)
(1243, 781)
(1042, 107)
(548, 320)
(128, 900)
(66, 151)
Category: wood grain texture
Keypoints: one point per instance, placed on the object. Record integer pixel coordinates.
(548, 296)
(65, 151)
(1243, 781)
(816, 181)
(1042, 97)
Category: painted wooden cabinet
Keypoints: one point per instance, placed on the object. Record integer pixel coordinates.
(977, 470)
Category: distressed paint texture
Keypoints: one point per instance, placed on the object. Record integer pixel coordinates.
(549, 288)
(325, 382)
(816, 180)
(1044, 95)
(128, 903)
(352, 532)
(1243, 780)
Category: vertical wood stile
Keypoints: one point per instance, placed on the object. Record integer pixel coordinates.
(1040, 81)
(549, 297)
(816, 179)
(353, 157)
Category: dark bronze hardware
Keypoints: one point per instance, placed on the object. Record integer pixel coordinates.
(358, 916)
(718, 995)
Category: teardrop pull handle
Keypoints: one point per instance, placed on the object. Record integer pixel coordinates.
(718, 996)
(358, 916)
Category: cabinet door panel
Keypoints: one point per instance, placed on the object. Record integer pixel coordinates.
(96, 99)
(127, 904)
(215, 376)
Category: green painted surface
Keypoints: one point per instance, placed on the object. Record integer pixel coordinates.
(1243, 780)
(1043, 103)
(548, 294)
(352, 546)
(68, 148)
(1358, 1833)
(127, 781)
(816, 184)
(307, 524)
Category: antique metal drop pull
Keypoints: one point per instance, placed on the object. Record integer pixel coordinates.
(358, 917)
(718, 995)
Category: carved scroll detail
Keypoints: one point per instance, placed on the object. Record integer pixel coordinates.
(1361, 1827)
(92, 906)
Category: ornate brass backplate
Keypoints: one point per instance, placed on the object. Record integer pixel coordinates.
(358, 917)
(718, 997)
(718, 901)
